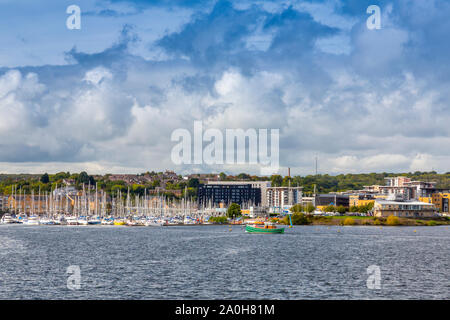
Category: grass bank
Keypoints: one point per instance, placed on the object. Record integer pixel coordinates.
(364, 221)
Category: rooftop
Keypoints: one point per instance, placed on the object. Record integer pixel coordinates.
(382, 201)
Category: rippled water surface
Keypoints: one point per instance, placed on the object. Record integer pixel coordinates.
(211, 262)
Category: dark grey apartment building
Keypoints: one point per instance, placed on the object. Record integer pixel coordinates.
(242, 194)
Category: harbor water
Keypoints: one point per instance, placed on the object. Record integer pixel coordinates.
(214, 262)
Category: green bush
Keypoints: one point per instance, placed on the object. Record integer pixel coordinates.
(219, 219)
(432, 223)
(377, 222)
(298, 219)
(341, 209)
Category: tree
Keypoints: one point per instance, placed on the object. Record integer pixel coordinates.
(45, 178)
(243, 176)
(341, 209)
(297, 208)
(310, 208)
(190, 192)
(193, 183)
(286, 181)
(365, 208)
(222, 176)
(276, 180)
(330, 208)
(234, 210)
(83, 177)
(299, 219)
(156, 183)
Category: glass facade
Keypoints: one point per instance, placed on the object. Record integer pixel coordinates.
(240, 194)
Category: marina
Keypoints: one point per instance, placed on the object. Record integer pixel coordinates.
(91, 206)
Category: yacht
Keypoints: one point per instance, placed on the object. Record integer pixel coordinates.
(32, 221)
(21, 218)
(83, 221)
(72, 221)
(46, 221)
(132, 223)
(59, 221)
(188, 220)
(153, 223)
(7, 219)
(94, 221)
(107, 221)
(119, 222)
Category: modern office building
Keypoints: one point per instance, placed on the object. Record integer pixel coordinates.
(242, 194)
(324, 200)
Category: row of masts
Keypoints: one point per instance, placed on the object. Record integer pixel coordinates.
(56, 202)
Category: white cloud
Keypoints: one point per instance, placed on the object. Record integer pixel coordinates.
(97, 75)
(370, 110)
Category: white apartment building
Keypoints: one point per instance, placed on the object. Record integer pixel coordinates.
(282, 198)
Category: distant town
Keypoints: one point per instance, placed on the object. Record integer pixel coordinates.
(411, 195)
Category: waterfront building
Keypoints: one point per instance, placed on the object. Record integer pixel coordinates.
(325, 200)
(281, 199)
(262, 185)
(305, 201)
(441, 201)
(3, 203)
(404, 209)
(242, 194)
(356, 200)
(402, 187)
(397, 181)
(36, 204)
(253, 212)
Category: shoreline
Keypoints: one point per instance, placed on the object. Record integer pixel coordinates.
(372, 221)
(314, 224)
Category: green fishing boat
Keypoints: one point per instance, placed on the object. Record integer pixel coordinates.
(266, 228)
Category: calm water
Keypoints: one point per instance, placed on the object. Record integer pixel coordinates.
(210, 262)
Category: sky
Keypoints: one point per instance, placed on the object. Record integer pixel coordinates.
(107, 97)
